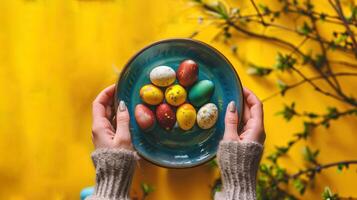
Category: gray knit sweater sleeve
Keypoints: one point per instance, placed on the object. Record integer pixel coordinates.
(114, 173)
(238, 162)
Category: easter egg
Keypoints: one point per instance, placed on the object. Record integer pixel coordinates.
(175, 95)
(151, 94)
(187, 73)
(201, 92)
(186, 116)
(207, 116)
(144, 117)
(165, 116)
(162, 76)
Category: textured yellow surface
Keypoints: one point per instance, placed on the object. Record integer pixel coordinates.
(56, 55)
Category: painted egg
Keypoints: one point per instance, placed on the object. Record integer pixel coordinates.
(186, 116)
(162, 76)
(207, 116)
(144, 117)
(175, 95)
(165, 116)
(201, 92)
(151, 94)
(187, 73)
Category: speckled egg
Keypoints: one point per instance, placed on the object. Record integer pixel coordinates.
(175, 95)
(201, 92)
(207, 116)
(186, 116)
(151, 94)
(165, 116)
(144, 117)
(187, 73)
(162, 76)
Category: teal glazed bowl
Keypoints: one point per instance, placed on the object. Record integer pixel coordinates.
(178, 148)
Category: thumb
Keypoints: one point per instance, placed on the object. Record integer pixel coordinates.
(122, 122)
(231, 122)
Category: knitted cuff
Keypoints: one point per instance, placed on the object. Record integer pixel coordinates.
(114, 173)
(239, 162)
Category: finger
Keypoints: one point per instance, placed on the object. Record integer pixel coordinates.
(246, 112)
(122, 120)
(231, 119)
(255, 105)
(102, 101)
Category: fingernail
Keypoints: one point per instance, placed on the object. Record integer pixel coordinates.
(122, 106)
(232, 107)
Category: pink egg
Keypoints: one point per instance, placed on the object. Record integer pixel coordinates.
(144, 117)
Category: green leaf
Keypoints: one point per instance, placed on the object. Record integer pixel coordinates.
(328, 195)
(341, 38)
(217, 187)
(320, 61)
(282, 87)
(273, 157)
(323, 16)
(332, 113)
(258, 70)
(308, 128)
(220, 9)
(310, 155)
(146, 188)
(299, 185)
(305, 29)
(213, 163)
(311, 115)
(340, 166)
(288, 112)
(284, 62)
(280, 173)
(264, 168)
(264, 8)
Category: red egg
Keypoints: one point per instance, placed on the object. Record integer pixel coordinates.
(165, 116)
(144, 117)
(187, 73)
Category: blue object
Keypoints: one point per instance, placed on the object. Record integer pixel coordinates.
(86, 192)
(178, 148)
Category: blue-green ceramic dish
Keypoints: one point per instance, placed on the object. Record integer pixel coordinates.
(178, 148)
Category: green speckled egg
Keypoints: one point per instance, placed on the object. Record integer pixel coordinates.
(201, 92)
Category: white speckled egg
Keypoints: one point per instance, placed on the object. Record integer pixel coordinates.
(162, 76)
(207, 116)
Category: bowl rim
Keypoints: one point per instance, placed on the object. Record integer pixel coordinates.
(132, 58)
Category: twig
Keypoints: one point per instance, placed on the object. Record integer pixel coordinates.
(339, 11)
(338, 62)
(297, 50)
(337, 46)
(258, 12)
(318, 89)
(321, 167)
(288, 87)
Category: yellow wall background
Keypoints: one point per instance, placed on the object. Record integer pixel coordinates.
(56, 55)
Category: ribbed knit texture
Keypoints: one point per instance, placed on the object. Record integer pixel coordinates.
(238, 162)
(114, 173)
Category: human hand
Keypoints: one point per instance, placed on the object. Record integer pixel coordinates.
(253, 124)
(104, 134)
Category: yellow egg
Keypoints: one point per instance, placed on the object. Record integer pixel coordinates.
(175, 95)
(151, 94)
(186, 116)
